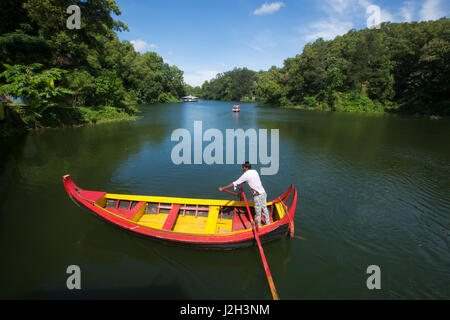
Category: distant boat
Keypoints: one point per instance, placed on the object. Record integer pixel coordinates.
(190, 99)
(236, 108)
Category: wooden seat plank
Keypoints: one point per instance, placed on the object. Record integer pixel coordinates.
(173, 214)
(213, 217)
(280, 210)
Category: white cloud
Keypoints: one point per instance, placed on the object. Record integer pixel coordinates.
(142, 46)
(328, 30)
(197, 78)
(269, 8)
(364, 3)
(385, 15)
(338, 5)
(139, 45)
(431, 10)
(407, 11)
(337, 23)
(339, 12)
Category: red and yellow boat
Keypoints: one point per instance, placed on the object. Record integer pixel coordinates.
(203, 223)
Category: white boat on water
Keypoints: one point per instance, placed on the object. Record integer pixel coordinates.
(190, 99)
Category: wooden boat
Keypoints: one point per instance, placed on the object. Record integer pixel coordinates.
(189, 99)
(203, 223)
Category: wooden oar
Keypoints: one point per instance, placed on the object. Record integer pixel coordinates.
(230, 192)
(261, 251)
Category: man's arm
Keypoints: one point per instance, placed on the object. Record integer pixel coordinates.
(239, 181)
(226, 187)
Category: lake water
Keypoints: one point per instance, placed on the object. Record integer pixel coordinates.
(373, 190)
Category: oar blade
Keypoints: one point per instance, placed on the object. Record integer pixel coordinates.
(273, 290)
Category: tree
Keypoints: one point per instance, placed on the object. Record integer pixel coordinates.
(232, 85)
(82, 84)
(109, 89)
(81, 47)
(36, 87)
(269, 89)
(14, 17)
(399, 66)
(431, 83)
(21, 48)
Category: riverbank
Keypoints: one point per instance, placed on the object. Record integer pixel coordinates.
(359, 102)
(18, 120)
(323, 107)
(387, 111)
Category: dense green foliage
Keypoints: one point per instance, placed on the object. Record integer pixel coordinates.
(401, 67)
(398, 67)
(36, 87)
(193, 91)
(235, 85)
(85, 67)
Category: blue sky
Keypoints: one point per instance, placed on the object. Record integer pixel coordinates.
(206, 37)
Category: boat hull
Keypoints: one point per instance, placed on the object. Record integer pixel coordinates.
(86, 199)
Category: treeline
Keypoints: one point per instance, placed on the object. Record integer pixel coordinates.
(236, 85)
(47, 64)
(401, 67)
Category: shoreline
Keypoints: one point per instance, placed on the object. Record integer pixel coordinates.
(15, 122)
(384, 112)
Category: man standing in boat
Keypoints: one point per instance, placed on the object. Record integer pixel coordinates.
(259, 194)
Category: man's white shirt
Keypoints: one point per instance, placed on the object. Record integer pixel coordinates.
(253, 180)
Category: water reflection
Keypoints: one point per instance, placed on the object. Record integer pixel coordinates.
(371, 190)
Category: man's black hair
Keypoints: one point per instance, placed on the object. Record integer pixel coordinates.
(247, 165)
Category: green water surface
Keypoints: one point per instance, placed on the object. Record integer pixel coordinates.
(373, 190)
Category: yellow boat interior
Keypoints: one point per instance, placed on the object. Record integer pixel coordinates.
(188, 216)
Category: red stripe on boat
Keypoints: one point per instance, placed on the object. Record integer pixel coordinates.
(173, 214)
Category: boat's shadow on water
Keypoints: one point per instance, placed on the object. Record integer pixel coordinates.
(116, 242)
(105, 246)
